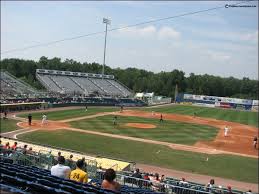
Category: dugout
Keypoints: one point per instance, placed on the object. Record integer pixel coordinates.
(23, 106)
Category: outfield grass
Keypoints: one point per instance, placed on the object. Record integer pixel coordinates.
(226, 166)
(72, 113)
(7, 125)
(244, 117)
(168, 131)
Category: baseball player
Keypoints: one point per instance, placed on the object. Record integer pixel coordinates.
(226, 129)
(161, 118)
(255, 142)
(44, 119)
(29, 119)
(115, 120)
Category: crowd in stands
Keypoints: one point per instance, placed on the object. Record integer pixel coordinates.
(63, 168)
(77, 171)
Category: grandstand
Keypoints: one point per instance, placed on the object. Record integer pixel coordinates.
(81, 83)
(11, 86)
(29, 173)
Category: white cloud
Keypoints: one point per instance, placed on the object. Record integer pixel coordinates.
(168, 32)
(253, 37)
(148, 31)
(218, 56)
(134, 31)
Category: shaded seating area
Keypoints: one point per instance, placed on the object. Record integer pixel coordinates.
(27, 179)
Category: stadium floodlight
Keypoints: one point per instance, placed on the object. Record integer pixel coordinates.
(106, 22)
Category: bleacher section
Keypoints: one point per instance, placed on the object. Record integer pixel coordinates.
(105, 163)
(19, 174)
(81, 83)
(11, 86)
(25, 179)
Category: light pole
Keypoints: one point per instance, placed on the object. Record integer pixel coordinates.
(106, 22)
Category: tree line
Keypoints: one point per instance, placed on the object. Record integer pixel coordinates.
(139, 80)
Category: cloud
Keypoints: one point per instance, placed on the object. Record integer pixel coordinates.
(218, 56)
(148, 31)
(252, 36)
(168, 32)
(134, 31)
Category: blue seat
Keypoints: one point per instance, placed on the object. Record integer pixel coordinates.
(35, 187)
(48, 183)
(17, 182)
(11, 189)
(25, 176)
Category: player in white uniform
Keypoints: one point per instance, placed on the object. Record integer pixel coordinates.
(226, 131)
(44, 119)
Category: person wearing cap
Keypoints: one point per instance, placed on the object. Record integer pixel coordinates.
(78, 174)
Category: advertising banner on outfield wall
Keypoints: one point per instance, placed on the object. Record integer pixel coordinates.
(218, 99)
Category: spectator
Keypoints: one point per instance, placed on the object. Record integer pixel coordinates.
(146, 177)
(60, 170)
(78, 174)
(24, 150)
(146, 183)
(70, 162)
(108, 182)
(137, 174)
(7, 146)
(14, 146)
(211, 184)
(229, 191)
(162, 179)
(30, 151)
(156, 182)
(183, 181)
(56, 158)
(85, 165)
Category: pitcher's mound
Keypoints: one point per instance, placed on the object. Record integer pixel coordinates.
(36, 124)
(141, 125)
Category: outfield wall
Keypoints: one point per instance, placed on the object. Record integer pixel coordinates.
(215, 101)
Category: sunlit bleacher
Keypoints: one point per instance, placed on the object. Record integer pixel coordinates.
(81, 83)
(11, 86)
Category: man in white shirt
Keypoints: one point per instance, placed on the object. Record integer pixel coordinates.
(226, 131)
(44, 119)
(60, 170)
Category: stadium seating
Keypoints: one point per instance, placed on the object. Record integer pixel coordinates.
(15, 177)
(12, 86)
(26, 179)
(75, 82)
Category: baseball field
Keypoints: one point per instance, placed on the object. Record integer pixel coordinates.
(181, 141)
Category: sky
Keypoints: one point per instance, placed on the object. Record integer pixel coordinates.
(222, 42)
